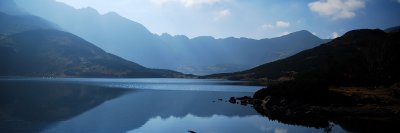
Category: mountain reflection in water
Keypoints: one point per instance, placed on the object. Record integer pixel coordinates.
(65, 106)
(34, 106)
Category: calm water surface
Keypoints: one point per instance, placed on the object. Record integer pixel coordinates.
(66, 105)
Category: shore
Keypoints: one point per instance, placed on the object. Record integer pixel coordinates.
(356, 109)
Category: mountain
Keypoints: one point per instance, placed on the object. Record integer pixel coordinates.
(41, 104)
(243, 53)
(9, 7)
(32, 46)
(11, 24)
(56, 53)
(353, 80)
(199, 55)
(393, 29)
(360, 57)
(14, 20)
(111, 32)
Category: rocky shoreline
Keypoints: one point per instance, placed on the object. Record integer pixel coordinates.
(362, 112)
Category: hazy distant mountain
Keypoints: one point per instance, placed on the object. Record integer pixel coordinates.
(200, 55)
(57, 53)
(242, 53)
(359, 57)
(31, 46)
(110, 32)
(13, 20)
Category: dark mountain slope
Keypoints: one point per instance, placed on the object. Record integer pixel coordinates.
(362, 57)
(393, 29)
(11, 24)
(353, 81)
(56, 53)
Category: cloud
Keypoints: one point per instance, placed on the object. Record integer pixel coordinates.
(161, 2)
(334, 35)
(282, 24)
(338, 9)
(190, 3)
(267, 26)
(314, 33)
(398, 1)
(222, 14)
(185, 3)
(284, 33)
(278, 24)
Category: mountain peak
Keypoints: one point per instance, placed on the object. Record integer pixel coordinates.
(89, 10)
(301, 33)
(204, 38)
(165, 35)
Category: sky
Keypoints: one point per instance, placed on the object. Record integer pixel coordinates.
(255, 19)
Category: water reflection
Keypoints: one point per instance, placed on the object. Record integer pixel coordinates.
(217, 124)
(92, 105)
(134, 109)
(33, 106)
(174, 111)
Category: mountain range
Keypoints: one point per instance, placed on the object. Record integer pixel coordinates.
(14, 20)
(200, 55)
(31, 46)
(57, 53)
(54, 46)
(365, 57)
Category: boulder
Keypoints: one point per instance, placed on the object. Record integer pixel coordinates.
(232, 100)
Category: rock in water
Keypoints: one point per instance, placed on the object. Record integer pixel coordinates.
(232, 100)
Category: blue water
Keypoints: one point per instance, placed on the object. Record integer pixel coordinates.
(152, 83)
(86, 105)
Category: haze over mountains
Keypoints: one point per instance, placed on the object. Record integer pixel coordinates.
(31, 46)
(200, 55)
(13, 20)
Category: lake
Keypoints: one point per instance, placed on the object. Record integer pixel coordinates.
(101, 105)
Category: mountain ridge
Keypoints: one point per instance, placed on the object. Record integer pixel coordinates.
(32, 46)
(47, 52)
(131, 40)
(14, 20)
(361, 56)
(351, 80)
